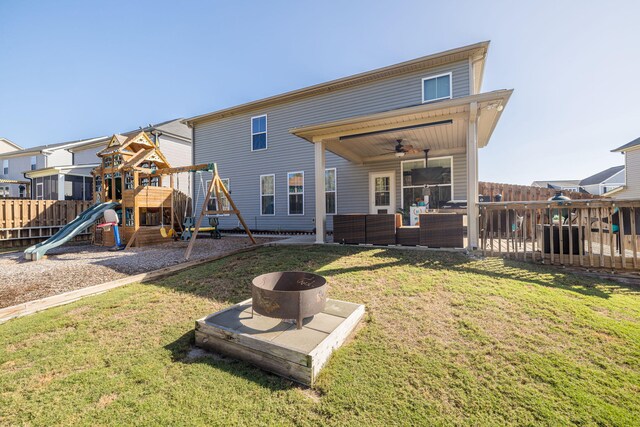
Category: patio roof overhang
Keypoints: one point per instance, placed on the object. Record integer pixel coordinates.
(440, 127)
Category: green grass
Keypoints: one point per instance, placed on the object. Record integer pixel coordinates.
(447, 340)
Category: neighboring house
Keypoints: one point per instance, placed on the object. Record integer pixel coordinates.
(293, 160)
(74, 176)
(596, 184)
(6, 183)
(631, 188)
(562, 184)
(604, 181)
(17, 163)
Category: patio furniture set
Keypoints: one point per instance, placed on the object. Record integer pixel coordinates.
(435, 230)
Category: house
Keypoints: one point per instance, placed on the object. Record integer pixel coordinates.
(562, 184)
(67, 174)
(604, 181)
(53, 157)
(350, 145)
(6, 183)
(596, 184)
(631, 187)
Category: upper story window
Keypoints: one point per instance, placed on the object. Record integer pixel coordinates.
(33, 163)
(259, 133)
(5, 167)
(436, 87)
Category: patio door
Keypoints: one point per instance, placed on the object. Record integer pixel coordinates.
(382, 192)
(39, 191)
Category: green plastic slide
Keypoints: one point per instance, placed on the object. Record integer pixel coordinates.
(69, 231)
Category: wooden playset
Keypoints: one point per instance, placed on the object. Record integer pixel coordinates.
(133, 173)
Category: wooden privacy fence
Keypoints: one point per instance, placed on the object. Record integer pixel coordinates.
(24, 222)
(513, 192)
(588, 233)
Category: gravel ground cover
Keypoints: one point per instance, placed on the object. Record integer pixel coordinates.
(77, 266)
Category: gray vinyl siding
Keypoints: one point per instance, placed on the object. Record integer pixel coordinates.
(87, 156)
(178, 153)
(632, 168)
(227, 141)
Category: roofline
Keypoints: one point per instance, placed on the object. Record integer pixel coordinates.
(605, 177)
(13, 144)
(97, 143)
(303, 131)
(615, 190)
(378, 73)
(45, 149)
(41, 171)
(624, 148)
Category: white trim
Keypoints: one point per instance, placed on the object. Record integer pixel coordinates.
(402, 187)
(335, 175)
(450, 74)
(274, 194)
(289, 194)
(41, 185)
(392, 190)
(266, 132)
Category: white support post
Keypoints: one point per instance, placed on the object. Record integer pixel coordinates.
(61, 186)
(321, 208)
(472, 178)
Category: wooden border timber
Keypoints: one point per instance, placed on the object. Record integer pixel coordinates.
(41, 304)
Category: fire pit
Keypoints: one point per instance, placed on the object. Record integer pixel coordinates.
(289, 295)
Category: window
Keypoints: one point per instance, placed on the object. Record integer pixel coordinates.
(5, 167)
(128, 181)
(224, 202)
(34, 163)
(438, 195)
(330, 191)
(128, 217)
(295, 185)
(259, 133)
(436, 87)
(267, 195)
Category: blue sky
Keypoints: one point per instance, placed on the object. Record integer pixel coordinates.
(78, 69)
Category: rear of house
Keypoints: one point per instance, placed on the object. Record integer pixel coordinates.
(292, 160)
(631, 187)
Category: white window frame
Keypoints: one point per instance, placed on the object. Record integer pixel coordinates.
(274, 194)
(213, 194)
(402, 186)
(5, 167)
(450, 74)
(289, 193)
(34, 163)
(335, 192)
(266, 132)
(40, 185)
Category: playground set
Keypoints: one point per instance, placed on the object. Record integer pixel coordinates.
(135, 206)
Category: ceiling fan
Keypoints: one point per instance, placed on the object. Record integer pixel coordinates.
(400, 149)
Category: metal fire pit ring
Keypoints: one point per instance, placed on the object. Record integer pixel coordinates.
(289, 295)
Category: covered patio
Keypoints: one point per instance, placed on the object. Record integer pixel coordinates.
(455, 127)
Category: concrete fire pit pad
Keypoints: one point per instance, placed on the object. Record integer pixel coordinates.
(275, 345)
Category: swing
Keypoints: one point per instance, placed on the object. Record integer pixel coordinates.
(164, 232)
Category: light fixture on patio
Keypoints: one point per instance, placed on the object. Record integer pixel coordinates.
(400, 153)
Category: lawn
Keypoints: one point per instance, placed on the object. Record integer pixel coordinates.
(447, 339)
